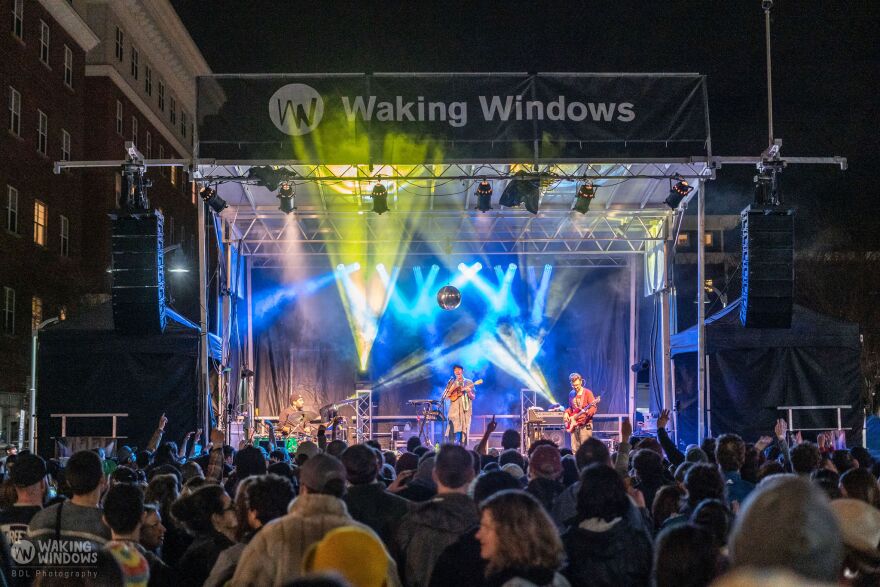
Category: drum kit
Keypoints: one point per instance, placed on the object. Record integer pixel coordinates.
(295, 427)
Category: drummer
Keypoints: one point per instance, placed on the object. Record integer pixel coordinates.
(293, 418)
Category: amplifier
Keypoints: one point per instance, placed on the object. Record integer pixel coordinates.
(545, 418)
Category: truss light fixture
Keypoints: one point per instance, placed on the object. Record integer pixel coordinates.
(678, 191)
(484, 196)
(585, 194)
(286, 191)
(210, 197)
(522, 189)
(380, 198)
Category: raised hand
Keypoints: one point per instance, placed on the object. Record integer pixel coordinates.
(663, 419)
(492, 425)
(780, 429)
(162, 421)
(626, 430)
(763, 443)
(217, 438)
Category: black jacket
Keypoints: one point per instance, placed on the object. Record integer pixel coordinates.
(546, 491)
(460, 564)
(617, 557)
(377, 508)
(196, 563)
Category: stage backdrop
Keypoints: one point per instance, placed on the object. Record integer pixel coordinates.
(310, 337)
(754, 370)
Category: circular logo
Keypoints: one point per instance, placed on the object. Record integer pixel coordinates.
(23, 551)
(296, 109)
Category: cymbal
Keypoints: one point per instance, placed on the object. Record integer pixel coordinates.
(303, 416)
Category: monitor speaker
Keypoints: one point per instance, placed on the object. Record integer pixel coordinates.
(767, 268)
(138, 269)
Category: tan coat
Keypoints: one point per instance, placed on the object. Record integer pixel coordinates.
(275, 555)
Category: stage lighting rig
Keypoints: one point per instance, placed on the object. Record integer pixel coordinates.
(380, 198)
(678, 191)
(484, 196)
(210, 197)
(268, 177)
(522, 189)
(768, 192)
(286, 193)
(585, 195)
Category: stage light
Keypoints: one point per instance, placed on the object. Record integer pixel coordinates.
(484, 196)
(286, 192)
(380, 199)
(356, 266)
(678, 192)
(522, 189)
(767, 192)
(265, 176)
(380, 267)
(477, 266)
(585, 195)
(210, 197)
(340, 267)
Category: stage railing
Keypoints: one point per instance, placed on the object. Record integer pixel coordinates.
(791, 409)
(64, 418)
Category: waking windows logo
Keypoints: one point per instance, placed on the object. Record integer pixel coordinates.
(296, 109)
(54, 558)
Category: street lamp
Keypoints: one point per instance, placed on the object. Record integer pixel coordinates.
(33, 390)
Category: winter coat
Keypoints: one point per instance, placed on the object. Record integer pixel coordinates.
(372, 505)
(527, 578)
(613, 556)
(275, 555)
(427, 530)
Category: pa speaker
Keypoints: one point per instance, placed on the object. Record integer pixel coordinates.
(767, 268)
(138, 269)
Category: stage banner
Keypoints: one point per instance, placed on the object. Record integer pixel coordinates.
(432, 118)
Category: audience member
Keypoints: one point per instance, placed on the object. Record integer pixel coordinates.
(460, 563)
(358, 556)
(152, 530)
(855, 483)
(828, 481)
(433, 525)
(843, 461)
(519, 541)
(276, 553)
(163, 490)
(603, 546)
(649, 473)
(209, 516)
(860, 528)
(730, 454)
(28, 477)
(787, 522)
(805, 458)
(79, 518)
(545, 469)
(685, 556)
(511, 440)
(714, 517)
(667, 502)
(418, 486)
(367, 500)
(260, 499)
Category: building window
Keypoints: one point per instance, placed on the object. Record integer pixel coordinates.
(120, 43)
(42, 132)
(174, 176)
(183, 124)
(708, 239)
(118, 117)
(161, 96)
(68, 67)
(36, 312)
(162, 156)
(44, 42)
(172, 110)
(11, 209)
(148, 143)
(65, 145)
(148, 80)
(135, 58)
(17, 18)
(134, 130)
(8, 310)
(65, 236)
(40, 217)
(14, 111)
(118, 190)
(684, 240)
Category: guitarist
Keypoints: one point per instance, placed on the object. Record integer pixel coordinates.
(460, 392)
(578, 397)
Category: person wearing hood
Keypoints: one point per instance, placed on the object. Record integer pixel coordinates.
(604, 547)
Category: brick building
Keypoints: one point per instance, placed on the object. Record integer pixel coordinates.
(79, 78)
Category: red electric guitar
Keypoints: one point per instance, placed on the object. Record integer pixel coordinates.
(574, 418)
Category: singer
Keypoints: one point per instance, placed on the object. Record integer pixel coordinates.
(460, 393)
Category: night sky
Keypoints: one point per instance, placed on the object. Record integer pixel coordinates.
(825, 59)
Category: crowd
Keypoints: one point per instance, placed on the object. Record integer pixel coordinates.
(779, 511)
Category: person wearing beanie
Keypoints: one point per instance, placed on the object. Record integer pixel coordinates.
(28, 476)
(787, 523)
(860, 527)
(276, 554)
(353, 553)
(367, 500)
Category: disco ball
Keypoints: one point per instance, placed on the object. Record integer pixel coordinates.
(449, 297)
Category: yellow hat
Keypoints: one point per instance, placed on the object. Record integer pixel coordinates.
(354, 553)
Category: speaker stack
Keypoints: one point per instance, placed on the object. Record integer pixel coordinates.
(767, 268)
(138, 269)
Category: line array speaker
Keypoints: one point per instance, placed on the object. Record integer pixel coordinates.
(138, 269)
(767, 268)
